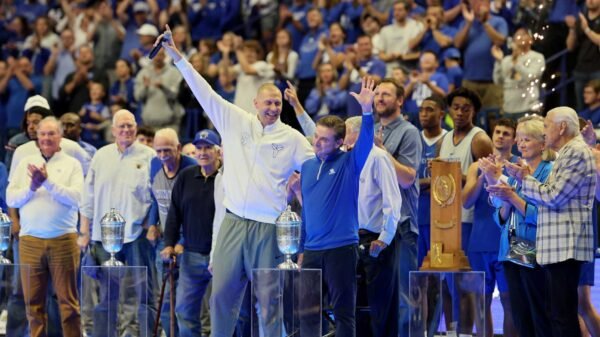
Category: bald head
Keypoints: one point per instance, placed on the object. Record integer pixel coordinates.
(268, 103)
(123, 114)
(124, 128)
(52, 123)
(167, 147)
(267, 88)
(166, 135)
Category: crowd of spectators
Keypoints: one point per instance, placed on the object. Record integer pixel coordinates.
(91, 57)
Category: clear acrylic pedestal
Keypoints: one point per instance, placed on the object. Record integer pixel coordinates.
(447, 304)
(13, 278)
(288, 303)
(119, 301)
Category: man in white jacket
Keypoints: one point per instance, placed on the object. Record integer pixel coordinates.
(261, 153)
(47, 188)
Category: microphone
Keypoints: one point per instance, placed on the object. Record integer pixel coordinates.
(165, 38)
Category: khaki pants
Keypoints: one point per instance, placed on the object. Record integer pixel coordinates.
(242, 245)
(56, 259)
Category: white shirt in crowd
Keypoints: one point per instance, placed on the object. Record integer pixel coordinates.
(120, 181)
(379, 198)
(51, 211)
(67, 147)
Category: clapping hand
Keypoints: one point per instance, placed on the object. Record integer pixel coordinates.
(366, 95)
(38, 175)
(467, 13)
(491, 168)
(517, 170)
(588, 133)
(501, 191)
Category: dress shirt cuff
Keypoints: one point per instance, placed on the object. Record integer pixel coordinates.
(386, 237)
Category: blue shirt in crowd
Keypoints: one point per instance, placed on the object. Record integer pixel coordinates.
(478, 60)
(592, 115)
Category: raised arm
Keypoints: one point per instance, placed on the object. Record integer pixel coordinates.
(221, 113)
(364, 144)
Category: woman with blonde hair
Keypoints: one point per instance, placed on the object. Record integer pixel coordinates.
(517, 218)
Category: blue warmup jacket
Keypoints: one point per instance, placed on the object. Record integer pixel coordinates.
(330, 194)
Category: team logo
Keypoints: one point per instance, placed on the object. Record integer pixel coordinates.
(444, 190)
(276, 149)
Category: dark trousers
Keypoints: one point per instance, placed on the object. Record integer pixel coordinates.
(338, 267)
(562, 280)
(527, 294)
(381, 274)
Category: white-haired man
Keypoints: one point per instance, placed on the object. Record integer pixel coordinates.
(47, 188)
(164, 172)
(379, 206)
(119, 177)
(565, 235)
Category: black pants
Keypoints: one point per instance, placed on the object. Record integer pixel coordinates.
(381, 275)
(527, 293)
(562, 280)
(338, 267)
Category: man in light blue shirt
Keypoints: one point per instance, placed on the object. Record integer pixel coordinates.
(119, 177)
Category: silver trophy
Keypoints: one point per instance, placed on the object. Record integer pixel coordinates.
(5, 225)
(288, 236)
(112, 226)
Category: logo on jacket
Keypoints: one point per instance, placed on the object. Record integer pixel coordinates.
(245, 138)
(331, 171)
(276, 149)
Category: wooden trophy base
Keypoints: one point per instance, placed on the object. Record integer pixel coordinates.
(456, 261)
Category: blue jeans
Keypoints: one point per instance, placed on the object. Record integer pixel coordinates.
(135, 253)
(193, 280)
(162, 271)
(407, 246)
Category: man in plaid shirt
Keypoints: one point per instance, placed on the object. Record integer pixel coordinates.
(565, 233)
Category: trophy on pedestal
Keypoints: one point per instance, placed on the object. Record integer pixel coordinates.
(5, 225)
(288, 236)
(446, 252)
(112, 227)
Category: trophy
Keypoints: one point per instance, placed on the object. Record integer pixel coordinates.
(112, 227)
(288, 236)
(5, 225)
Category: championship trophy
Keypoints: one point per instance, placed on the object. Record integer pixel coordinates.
(112, 227)
(288, 236)
(446, 252)
(5, 225)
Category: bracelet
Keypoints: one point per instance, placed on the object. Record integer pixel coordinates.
(587, 30)
(83, 234)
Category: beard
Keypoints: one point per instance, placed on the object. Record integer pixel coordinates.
(386, 112)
